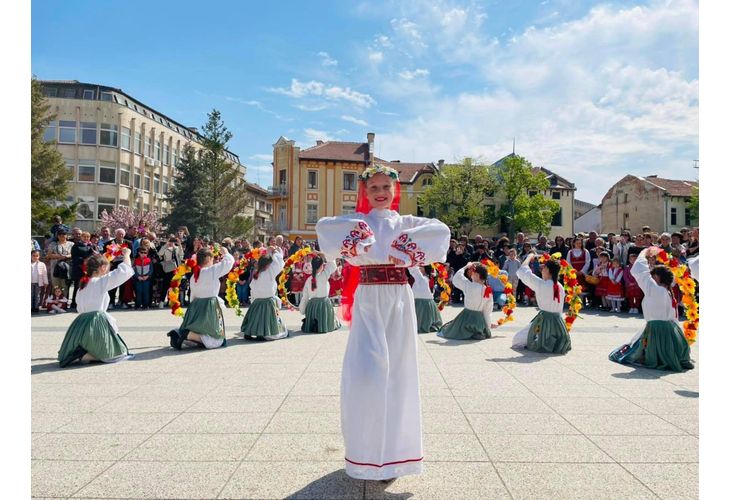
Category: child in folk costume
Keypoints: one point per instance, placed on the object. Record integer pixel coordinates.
(203, 322)
(600, 271)
(94, 335)
(262, 319)
(661, 344)
(336, 282)
(427, 314)
(547, 331)
(38, 280)
(56, 302)
(319, 315)
(380, 401)
(474, 321)
(634, 295)
(615, 292)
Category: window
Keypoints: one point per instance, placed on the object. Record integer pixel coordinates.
(70, 167)
(557, 218)
(174, 157)
(88, 94)
(123, 203)
(107, 172)
(51, 131)
(556, 195)
(157, 183)
(106, 96)
(51, 92)
(137, 178)
(85, 207)
(311, 179)
(146, 207)
(428, 181)
(126, 139)
(673, 216)
(165, 154)
(67, 132)
(146, 182)
(269, 207)
(148, 147)
(138, 143)
(109, 134)
(69, 93)
(349, 182)
(531, 193)
(626, 197)
(687, 217)
(157, 151)
(348, 209)
(87, 171)
(88, 132)
(124, 175)
(165, 186)
(282, 176)
(312, 213)
(107, 204)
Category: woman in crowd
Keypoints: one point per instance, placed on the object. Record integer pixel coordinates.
(560, 247)
(427, 314)
(81, 250)
(171, 256)
(474, 321)
(634, 295)
(319, 315)
(661, 343)
(262, 321)
(579, 258)
(203, 322)
(547, 331)
(94, 335)
(380, 402)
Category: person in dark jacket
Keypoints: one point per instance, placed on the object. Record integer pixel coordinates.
(79, 252)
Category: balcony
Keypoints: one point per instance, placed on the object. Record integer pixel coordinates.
(278, 191)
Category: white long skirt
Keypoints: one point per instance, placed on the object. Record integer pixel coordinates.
(380, 400)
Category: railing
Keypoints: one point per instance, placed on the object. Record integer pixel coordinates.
(280, 190)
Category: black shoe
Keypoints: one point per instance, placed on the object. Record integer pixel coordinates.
(248, 337)
(388, 481)
(687, 365)
(74, 356)
(177, 337)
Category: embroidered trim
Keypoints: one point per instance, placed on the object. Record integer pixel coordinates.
(405, 244)
(349, 245)
(386, 463)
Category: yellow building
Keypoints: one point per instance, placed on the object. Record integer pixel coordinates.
(121, 151)
(260, 209)
(321, 181)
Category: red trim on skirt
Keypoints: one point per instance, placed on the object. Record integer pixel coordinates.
(386, 463)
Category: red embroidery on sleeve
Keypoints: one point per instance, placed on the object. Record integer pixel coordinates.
(349, 245)
(409, 247)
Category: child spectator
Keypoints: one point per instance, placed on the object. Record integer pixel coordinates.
(615, 293)
(500, 298)
(511, 265)
(142, 279)
(38, 279)
(634, 295)
(57, 302)
(336, 283)
(600, 271)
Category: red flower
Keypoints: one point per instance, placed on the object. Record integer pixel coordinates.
(662, 256)
(508, 312)
(572, 282)
(563, 263)
(174, 284)
(570, 320)
(289, 262)
(673, 263)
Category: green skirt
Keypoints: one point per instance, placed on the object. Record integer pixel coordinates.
(319, 316)
(547, 333)
(428, 315)
(661, 346)
(262, 320)
(468, 324)
(92, 332)
(204, 317)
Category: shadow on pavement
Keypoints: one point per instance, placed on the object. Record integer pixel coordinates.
(688, 394)
(336, 484)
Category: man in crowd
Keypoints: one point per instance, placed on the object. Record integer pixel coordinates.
(60, 251)
(542, 245)
(58, 224)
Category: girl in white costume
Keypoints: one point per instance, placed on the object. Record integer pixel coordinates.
(427, 314)
(316, 306)
(380, 401)
(475, 320)
(262, 320)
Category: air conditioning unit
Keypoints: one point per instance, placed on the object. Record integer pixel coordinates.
(149, 162)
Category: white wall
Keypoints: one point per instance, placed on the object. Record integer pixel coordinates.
(589, 221)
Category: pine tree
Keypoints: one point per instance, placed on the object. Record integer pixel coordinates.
(186, 194)
(48, 173)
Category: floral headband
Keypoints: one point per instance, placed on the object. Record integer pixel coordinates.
(379, 169)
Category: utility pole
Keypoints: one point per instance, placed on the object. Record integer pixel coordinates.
(696, 162)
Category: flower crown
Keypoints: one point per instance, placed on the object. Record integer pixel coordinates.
(379, 169)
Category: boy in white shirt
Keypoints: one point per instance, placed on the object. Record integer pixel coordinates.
(38, 280)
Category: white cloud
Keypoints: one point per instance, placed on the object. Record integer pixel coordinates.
(354, 120)
(410, 75)
(313, 135)
(332, 92)
(409, 32)
(375, 57)
(262, 157)
(311, 108)
(326, 59)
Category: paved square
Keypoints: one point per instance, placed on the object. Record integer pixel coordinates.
(261, 420)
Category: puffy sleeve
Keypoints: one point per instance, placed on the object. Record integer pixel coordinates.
(305, 295)
(528, 278)
(694, 267)
(421, 241)
(487, 311)
(329, 268)
(116, 277)
(277, 263)
(344, 236)
(640, 271)
(224, 266)
(459, 280)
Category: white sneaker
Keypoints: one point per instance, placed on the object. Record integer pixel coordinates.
(51, 312)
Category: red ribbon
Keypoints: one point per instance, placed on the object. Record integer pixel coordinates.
(487, 291)
(556, 292)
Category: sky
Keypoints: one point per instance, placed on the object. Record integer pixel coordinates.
(590, 90)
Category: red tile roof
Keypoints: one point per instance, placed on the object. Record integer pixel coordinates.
(408, 172)
(671, 186)
(335, 150)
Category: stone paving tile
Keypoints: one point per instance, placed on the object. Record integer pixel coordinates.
(669, 481)
(441, 480)
(295, 480)
(650, 449)
(445, 423)
(542, 448)
(149, 404)
(312, 447)
(48, 422)
(518, 423)
(452, 448)
(53, 404)
(173, 480)
(236, 404)
(62, 478)
(687, 423)
(326, 404)
(317, 384)
(636, 425)
(668, 406)
(570, 481)
(304, 423)
(598, 406)
(194, 447)
(85, 446)
(116, 423)
(439, 404)
(527, 405)
(218, 423)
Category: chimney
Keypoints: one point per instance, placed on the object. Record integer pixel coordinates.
(320, 142)
(371, 148)
(441, 164)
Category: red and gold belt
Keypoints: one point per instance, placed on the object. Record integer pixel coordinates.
(383, 275)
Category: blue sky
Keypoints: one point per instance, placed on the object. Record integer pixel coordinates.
(591, 90)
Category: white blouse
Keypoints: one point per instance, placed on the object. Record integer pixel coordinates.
(264, 286)
(94, 296)
(323, 285)
(694, 267)
(421, 288)
(474, 298)
(573, 253)
(657, 303)
(208, 283)
(415, 240)
(543, 290)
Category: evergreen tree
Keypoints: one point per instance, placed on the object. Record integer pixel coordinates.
(49, 175)
(186, 194)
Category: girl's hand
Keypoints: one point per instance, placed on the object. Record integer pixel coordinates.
(396, 261)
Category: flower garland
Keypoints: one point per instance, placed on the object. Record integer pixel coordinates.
(231, 280)
(114, 250)
(570, 285)
(442, 276)
(173, 293)
(687, 287)
(509, 306)
(297, 257)
(379, 169)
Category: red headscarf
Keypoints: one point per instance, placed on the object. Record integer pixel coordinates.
(350, 273)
